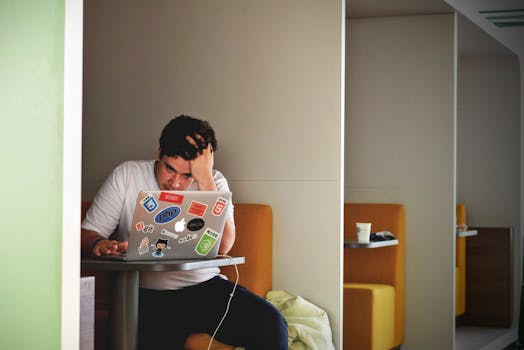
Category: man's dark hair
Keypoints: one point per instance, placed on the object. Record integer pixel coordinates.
(173, 141)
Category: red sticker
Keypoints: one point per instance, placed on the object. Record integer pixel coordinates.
(220, 204)
(140, 226)
(197, 208)
(171, 197)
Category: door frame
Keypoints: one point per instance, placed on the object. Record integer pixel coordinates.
(71, 173)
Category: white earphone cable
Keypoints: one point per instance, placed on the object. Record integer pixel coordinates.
(228, 302)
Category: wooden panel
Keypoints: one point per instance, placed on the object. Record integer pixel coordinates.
(488, 278)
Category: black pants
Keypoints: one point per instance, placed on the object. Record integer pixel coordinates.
(167, 317)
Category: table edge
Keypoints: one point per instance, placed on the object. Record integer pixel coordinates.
(94, 264)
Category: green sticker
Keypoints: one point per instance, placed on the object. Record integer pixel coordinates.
(207, 241)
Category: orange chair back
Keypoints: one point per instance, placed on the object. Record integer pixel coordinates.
(461, 241)
(254, 240)
(460, 263)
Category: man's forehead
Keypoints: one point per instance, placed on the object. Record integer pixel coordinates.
(178, 163)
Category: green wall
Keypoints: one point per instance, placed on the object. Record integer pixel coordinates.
(31, 119)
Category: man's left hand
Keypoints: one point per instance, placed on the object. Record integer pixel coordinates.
(202, 166)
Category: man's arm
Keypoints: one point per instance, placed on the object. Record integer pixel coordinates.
(93, 243)
(228, 238)
(228, 235)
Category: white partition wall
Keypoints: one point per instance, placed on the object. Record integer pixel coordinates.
(489, 158)
(511, 39)
(400, 149)
(268, 76)
(488, 138)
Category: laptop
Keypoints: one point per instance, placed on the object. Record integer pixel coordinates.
(171, 225)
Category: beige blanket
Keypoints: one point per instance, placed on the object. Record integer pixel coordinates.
(308, 325)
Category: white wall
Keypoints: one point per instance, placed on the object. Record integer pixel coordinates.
(400, 149)
(488, 137)
(267, 75)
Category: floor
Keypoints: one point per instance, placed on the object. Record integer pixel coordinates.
(478, 338)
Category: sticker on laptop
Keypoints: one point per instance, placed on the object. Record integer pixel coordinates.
(219, 206)
(148, 229)
(141, 227)
(160, 245)
(207, 242)
(188, 238)
(169, 234)
(195, 224)
(149, 203)
(197, 208)
(167, 214)
(180, 225)
(171, 197)
(144, 246)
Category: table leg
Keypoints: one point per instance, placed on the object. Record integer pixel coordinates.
(125, 316)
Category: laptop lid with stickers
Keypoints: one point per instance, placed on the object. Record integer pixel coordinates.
(177, 225)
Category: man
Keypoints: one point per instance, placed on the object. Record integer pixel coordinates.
(176, 304)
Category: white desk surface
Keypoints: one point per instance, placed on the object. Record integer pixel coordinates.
(378, 244)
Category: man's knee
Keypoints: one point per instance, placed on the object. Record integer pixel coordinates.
(276, 323)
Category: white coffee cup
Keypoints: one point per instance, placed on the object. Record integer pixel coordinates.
(363, 232)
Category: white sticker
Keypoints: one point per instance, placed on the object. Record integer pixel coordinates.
(144, 246)
(188, 238)
(180, 226)
(170, 234)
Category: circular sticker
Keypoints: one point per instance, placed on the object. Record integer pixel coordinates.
(195, 224)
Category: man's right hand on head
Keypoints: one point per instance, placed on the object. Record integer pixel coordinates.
(109, 247)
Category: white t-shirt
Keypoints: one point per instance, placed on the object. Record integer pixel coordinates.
(113, 208)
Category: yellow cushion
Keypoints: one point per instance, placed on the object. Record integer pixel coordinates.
(369, 316)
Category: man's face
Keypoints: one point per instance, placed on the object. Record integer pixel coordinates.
(173, 173)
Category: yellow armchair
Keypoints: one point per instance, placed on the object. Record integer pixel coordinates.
(460, 265)
(374, 280)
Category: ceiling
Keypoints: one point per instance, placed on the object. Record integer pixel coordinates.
(503, 19)
(472, 40)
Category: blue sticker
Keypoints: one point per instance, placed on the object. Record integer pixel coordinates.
(195, 224)
(166, 215)
(149, 203)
